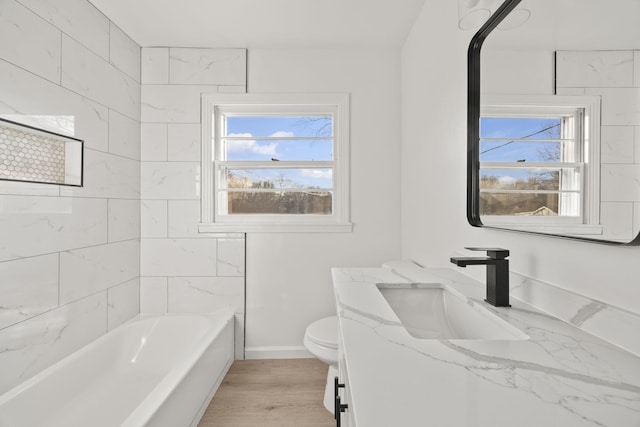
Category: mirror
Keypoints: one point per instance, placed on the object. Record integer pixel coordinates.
(554, 120)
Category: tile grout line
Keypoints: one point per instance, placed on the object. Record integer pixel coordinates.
(59, 277)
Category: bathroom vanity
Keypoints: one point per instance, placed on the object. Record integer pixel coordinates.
(420, 347)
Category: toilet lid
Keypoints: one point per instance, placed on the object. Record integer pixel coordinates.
(324, 332)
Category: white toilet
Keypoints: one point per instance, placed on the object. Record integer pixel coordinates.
(321, 339)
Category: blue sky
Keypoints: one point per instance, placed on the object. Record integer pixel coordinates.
(503, 150)
(256, 148)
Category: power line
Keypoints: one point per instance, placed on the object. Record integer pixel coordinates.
(519, 139)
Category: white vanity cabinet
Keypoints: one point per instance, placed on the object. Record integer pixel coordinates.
(343, 391)
(393, 378)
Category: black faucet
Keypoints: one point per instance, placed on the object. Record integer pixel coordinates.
(497, 273)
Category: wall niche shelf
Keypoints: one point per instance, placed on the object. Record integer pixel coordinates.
(29, 154)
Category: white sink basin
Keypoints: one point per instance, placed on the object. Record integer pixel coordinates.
(435, 311)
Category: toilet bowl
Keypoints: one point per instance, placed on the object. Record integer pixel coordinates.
(321, 339)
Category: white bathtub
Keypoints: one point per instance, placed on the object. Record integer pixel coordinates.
(151, 371)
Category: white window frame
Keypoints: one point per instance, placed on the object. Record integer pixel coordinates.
(296, 104)
(588, 222)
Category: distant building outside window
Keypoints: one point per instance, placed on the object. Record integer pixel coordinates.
(275, 162)
(539, 161)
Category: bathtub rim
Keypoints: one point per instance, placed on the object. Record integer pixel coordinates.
(145, 411)
(161, 391)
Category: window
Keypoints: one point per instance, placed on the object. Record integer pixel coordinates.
(539, 161)
(275, 162)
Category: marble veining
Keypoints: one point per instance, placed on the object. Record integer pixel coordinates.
(69, 258)
(201, 294)
(124, 53)
(178, 257)
(124, 220)
(89, 270)
(587, 312)
(561, 376)
(610, 76)
(595, 68)
(124, 136)
(153, 295)
(231, 257)
(123, 303)
(29, 42)
(153, 141)
(616, 325)
(28, 287)
(183, 219)
(77, 18)
(91, 76)
(155, 65)
(170, 180)
(617, 217)
(184, 270)
(183, 142)
(108, 176)
(173, 103)
(153, 218)
(33, 225)
(19, 89)
(616, 144)
(42, 340)
(207, 66)
(620, 182)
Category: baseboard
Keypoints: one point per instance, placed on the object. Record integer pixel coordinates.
(277, 352)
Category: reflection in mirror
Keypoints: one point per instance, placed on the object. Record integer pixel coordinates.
(557, 144)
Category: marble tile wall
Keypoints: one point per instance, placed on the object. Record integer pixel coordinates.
(615, 77)
(69, 257)
(182, 270)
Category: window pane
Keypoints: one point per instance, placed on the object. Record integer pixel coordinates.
(280, 202)
(265, 150)
(312, 179)
(521, 127)
(517, 179)
(520, 151)
(519, 204)
(278, 126)
(559, 178)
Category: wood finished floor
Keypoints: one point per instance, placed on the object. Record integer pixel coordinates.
(266, 393)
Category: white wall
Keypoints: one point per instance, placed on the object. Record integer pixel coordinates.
(69, 257)
(184, 271)
(289, 274)
(434, 166)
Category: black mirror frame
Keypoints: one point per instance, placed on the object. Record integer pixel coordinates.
(473, 128)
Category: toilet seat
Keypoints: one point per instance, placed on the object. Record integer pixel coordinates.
(324, 332)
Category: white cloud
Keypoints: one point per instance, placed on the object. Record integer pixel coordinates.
(282, 134)
(317, 173)
(251, 145)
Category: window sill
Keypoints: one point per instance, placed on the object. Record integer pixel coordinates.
(249, 227)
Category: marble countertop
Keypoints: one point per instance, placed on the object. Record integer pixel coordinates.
(562, 376)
